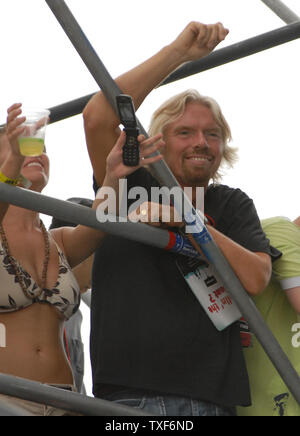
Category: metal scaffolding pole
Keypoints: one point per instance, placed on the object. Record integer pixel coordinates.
(219, 57)
(78, 214)
(61, 399)
(283, 12)
(166, 178)
(71, 108)
(237, 51)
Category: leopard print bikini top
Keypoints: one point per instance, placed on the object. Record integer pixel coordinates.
(65, 296)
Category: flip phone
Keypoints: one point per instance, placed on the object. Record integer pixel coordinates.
(131, 149)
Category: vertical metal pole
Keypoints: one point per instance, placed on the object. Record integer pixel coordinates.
(166, 178)
(283, 12)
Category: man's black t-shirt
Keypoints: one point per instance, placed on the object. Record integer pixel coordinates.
(148, 331)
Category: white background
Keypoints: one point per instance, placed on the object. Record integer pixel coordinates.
(259, 95)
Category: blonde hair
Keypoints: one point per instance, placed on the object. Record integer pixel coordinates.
(174, 107)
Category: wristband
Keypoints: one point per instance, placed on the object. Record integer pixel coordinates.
(25, 183)
(4, 179)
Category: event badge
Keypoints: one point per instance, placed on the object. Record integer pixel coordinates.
(209, 291)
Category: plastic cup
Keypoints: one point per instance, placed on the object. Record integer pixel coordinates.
(32, 140)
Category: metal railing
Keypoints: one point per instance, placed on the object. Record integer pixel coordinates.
(233, 52)
(283, 12)
(59, 398)
(78, 214)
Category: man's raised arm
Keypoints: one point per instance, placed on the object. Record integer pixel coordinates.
(101, 123)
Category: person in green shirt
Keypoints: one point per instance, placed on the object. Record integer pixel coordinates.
(279, 305)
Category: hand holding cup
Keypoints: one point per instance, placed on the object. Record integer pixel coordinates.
(32, 139)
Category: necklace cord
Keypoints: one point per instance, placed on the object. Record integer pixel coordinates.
(17, 270)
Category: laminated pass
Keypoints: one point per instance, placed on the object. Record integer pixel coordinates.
(209, 291)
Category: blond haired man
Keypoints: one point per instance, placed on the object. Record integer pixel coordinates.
(152, 345)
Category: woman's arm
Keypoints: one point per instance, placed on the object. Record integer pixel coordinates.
(101, 123)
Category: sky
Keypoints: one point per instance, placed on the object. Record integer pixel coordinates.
(259, 95)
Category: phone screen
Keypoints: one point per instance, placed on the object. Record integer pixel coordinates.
(126, 112)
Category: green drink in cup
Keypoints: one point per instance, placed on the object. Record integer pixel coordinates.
(32, 140)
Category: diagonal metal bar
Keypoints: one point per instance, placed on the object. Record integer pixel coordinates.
(219, 57)
(166, 178)
(282, 10)
(237, 51)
